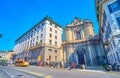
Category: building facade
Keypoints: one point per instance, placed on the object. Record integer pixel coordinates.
(108, 13)
(3, 55)
(82, 46)
(40, 43)
(10, 56)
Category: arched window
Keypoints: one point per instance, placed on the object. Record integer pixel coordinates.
(78, 34)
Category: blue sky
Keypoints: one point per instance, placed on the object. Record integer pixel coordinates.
(18, 16)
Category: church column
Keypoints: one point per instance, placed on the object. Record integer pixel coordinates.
(99, 52)
(90, 53)
(82, 32)
(73, 34)
(94, 46)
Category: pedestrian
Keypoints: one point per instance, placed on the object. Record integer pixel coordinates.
(73, 65)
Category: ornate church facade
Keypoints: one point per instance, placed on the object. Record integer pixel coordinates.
(82, 46)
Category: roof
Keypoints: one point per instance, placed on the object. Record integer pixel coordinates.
(45, 18)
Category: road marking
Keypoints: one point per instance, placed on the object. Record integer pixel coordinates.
(48, 77)
(33, 73)
(93, 71)
(9, 74)
(12, 76)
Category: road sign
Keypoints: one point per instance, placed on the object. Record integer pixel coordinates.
(39, 57)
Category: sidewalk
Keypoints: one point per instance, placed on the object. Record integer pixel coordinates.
(88, 69)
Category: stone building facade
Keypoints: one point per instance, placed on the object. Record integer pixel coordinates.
(3, 55)
(40, 43)
(108, 15)
(82, 46)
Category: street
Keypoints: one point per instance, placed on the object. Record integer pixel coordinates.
(9, 72)
(46, 72)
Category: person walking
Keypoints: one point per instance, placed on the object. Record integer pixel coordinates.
(73, 65)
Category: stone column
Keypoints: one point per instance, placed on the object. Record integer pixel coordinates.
(90, 51)
(99, 51)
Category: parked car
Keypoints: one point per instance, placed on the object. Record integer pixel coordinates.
(4, 64)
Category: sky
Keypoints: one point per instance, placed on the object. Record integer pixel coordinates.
(18, 16)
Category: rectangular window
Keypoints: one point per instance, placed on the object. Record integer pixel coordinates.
(49, 58)
(50, 23)
(40, 41)
(41, 35)
(56, 31)
(37, 32)
(118, 21)
(35, 29)
(55, 37)
(41, 29)
(50, 42)
(28, 37)
(55, 43)
(43, 23)
(114, 7)
(37, 37)
(31, 36)
(33, 39)
(55, 26)
(50, 35)
(55, 58)
(36, 43)
(49, 50)
(50, 29)
(55, 51)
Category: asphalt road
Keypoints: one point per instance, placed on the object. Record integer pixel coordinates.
(9, 72)
(61, 73)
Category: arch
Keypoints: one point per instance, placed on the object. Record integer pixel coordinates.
(80, 52)
(78, 34)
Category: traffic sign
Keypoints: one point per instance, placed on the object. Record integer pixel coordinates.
(39, 57)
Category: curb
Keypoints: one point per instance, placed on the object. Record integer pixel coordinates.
(92, 71)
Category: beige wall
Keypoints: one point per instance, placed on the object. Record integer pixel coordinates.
(9, 56)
